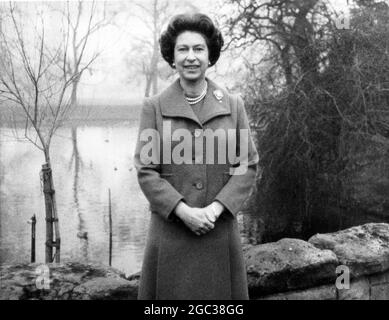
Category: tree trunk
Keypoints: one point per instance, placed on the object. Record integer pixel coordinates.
(148, 85)
(53, 238)
(303, 43)
(155, 82)
(73, 98)
(286, 66)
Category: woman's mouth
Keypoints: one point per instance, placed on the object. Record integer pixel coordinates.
(191, 67)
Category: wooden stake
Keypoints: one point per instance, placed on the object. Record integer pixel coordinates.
(33, 223)
(110, 227)
(55, 220)
(51, 216)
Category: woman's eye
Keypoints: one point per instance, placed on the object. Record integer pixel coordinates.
(199, 49)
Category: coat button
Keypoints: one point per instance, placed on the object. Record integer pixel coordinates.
(199, 185)
(197, 133)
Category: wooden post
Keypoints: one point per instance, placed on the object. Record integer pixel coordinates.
(51, 216)
(57, 242)
(48, 204)
(110, 227)
(33, 223)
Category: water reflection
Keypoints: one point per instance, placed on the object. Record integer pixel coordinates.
(82, 234)
(86, 161)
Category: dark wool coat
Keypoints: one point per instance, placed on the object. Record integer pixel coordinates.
(178, 264)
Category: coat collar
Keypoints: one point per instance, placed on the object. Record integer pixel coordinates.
(174, 104)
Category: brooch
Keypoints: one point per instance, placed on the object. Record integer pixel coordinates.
(218, 95)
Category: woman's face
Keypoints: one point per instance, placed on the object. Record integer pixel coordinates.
(191, 56)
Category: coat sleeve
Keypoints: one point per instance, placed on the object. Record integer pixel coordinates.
(162, 196)
(238, 187)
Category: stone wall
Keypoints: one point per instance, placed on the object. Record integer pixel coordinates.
(295, 269)
(69, 281)
(289, 269)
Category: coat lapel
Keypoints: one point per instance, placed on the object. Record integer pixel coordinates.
(174, 104)
(215, 104)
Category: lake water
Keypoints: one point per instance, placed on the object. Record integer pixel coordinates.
(87, 160)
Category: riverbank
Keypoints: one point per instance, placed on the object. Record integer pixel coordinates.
(344, 265)
(84, 114)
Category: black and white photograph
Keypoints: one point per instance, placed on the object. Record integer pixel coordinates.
(211, 150)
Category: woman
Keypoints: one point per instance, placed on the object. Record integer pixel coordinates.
(193, 248)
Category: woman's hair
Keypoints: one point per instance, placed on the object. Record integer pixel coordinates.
(196, 22)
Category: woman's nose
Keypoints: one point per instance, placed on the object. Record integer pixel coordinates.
(191, 56)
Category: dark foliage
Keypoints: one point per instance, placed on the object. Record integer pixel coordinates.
(319, 95)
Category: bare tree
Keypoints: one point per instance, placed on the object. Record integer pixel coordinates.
(144, 56)
(36, 78)
(97, 15)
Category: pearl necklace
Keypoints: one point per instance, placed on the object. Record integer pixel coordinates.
(197, 99)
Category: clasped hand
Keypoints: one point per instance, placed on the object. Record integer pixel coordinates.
(198, 220)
